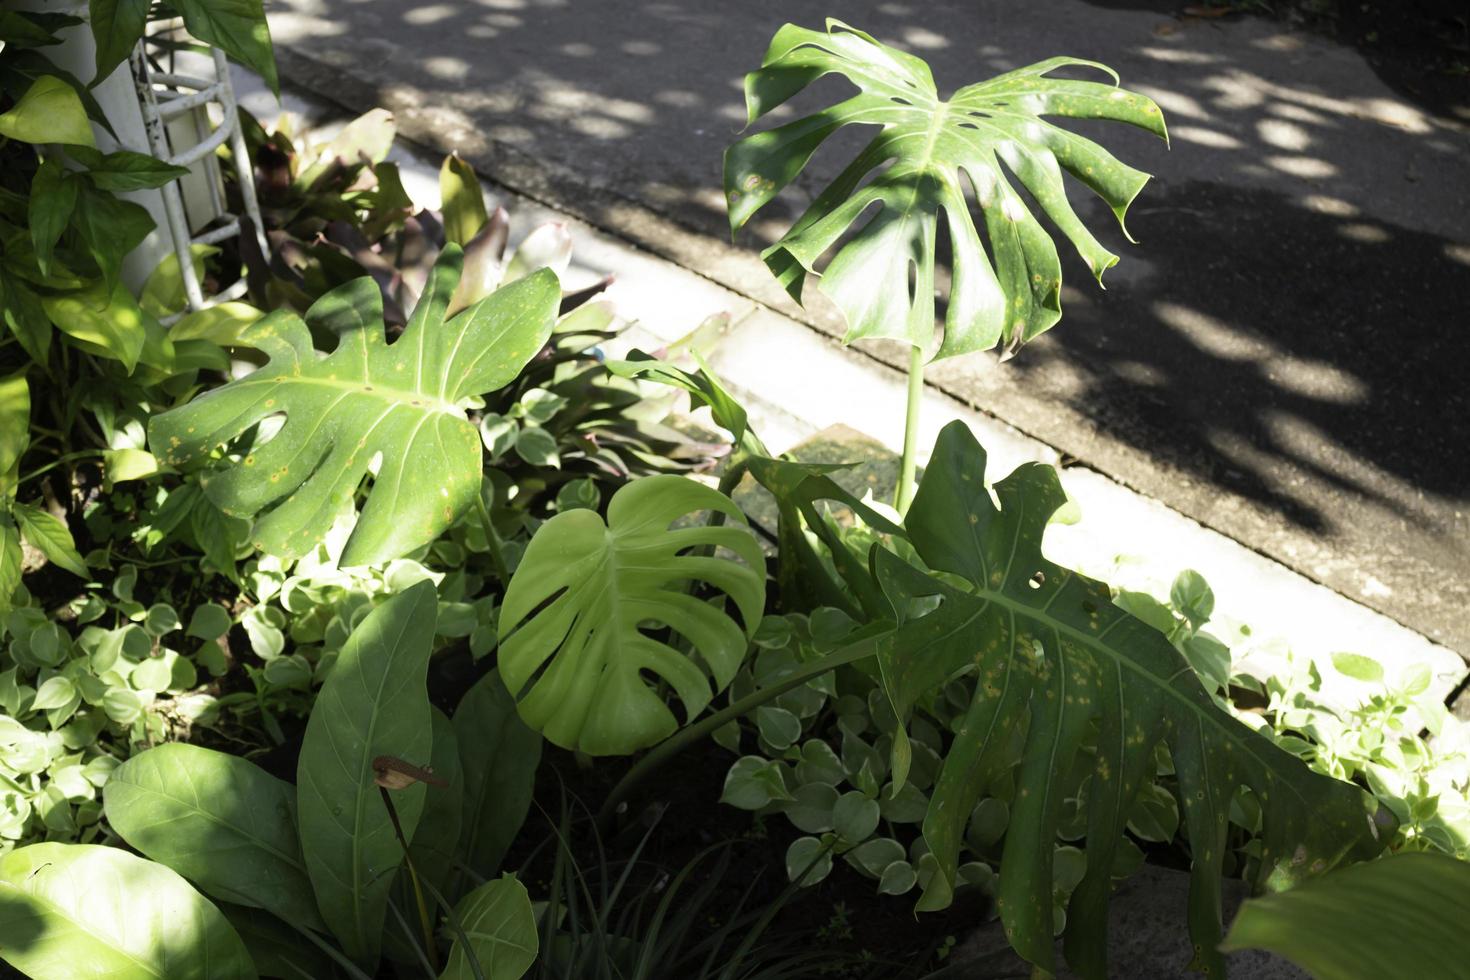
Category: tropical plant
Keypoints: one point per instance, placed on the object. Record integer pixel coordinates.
(1056, 665)
(576, 624)
(321, 857)
(367, 400)
(926, 152)
(1336, 927)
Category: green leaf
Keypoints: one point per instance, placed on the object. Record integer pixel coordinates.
(808, 860)
(855, 817)
(435, 842)
(499, 930)
(1192, 597)
(753, 783)
(117, 26)
(373, 703)
(125, 170)
(26, 317)
(209, 621)
(56, 692)
(237, 27)
(537, 447)
(11, 557)
(218, 820)
(703, 386)
(1050, 647)
(163, 292)
(102, 322)
(1403, 916)
(924, 155)
(213, 534)
(53, 197)
(498, 755)
(15, 429)
(463, 201)
(573, 645)
(49, 112)
(810, 809)
(110, 228)
(1358, 667)
(83, 911)
(50, 537)
(121, 465)
(366, 397)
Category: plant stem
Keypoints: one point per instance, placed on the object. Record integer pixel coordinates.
(677, 742)
(497, 558)
(426, 923)
(903, 494)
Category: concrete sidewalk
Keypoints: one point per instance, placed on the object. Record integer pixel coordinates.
(1283, 358)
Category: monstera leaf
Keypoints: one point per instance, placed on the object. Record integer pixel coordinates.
(367, 397)
(925, 153)
(1055, 658)
(582, 616)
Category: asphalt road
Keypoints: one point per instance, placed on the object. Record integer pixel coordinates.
(1283, 356)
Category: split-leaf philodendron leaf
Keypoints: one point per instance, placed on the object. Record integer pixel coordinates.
(367, 397)
(1055, 658)
(930, 157)
(576, 625)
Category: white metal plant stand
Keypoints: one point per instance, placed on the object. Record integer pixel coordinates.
(164, 96)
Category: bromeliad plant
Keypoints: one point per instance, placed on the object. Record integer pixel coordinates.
(369, 839)
(929, 159)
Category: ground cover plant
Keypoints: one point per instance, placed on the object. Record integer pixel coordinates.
(317, 604)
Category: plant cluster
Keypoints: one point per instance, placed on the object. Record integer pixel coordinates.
(250, 560)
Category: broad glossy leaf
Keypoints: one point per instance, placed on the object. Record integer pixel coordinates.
(373, 703)
(125, 170)
(110, 324)
(15, 428)
(117, 25)
(110, 228)
(1055, 657)
(463, 201)
(366, 397)
(218, 820)
(50, 111)
(930, 159)
(53, 196)
(11, 557)
(500, 932)
(498, 755)
(84, 911)
(237, 27)
(26, 317)
(1403, 916)
(579, 624)
(50, 537)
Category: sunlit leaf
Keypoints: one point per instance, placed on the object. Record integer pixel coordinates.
(573, 645)
(84, 911)
(929, 157)
(373, 703)
(218, 820)
(367, 397)
(1054, 657)
(1403, 916)
(50, 111)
